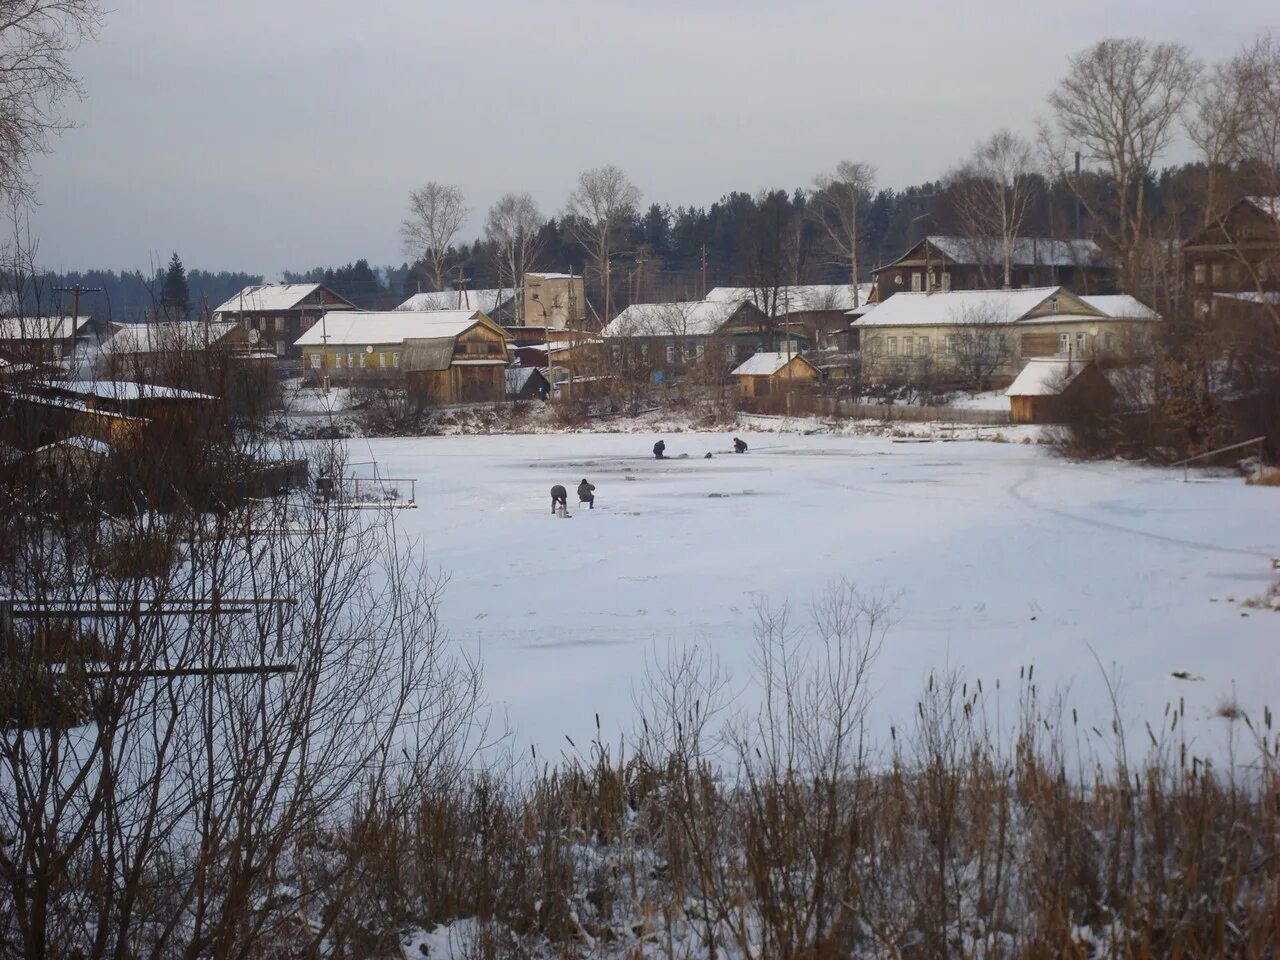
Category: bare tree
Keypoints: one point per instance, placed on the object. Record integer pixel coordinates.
(512, 227)
(992, 191)
(835, 206)
(602, 203)
(1119, 106)
(977, 348)
(37, 38)
(436, 214)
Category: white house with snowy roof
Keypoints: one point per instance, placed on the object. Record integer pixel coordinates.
(497, 303)
(988, 335)
(280, 312)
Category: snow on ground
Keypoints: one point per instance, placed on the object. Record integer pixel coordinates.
(1000, 555)
(990, 400)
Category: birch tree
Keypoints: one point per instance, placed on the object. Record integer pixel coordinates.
(991, 192)
(835, 206)
(512, 227)
(602, 203)
(436, 214)
(1119, 107)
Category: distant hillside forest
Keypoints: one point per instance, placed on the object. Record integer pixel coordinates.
(661, 253)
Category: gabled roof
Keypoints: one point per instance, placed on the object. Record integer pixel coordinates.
(801, 298)
(1268, 205)
(79, 442)
(123, 390)
(488, 300)
(960, 307)
(696, 318)
(129, 338)
(1121, 306)
(766, 364)
(350, 328)
(517, 377)
(275, 296)
(41, 328)
(1045, 377)
(554, 276)
(1026, 252)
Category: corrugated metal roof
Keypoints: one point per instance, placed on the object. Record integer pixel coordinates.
(41, 328)
(958, 307)
(427, 354)
(131, 338)
(268, 296)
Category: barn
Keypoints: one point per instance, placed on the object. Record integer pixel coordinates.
(765, 374)
(1057, 389)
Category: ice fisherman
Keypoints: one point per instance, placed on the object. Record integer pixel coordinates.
(659, 449)
(560, 496)
(586, 494)
(739, 446)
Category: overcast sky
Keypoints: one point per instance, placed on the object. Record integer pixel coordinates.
(271, 134)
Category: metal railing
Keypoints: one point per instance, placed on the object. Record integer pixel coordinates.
(1186, 464)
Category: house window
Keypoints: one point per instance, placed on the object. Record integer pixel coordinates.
(492, 348)
(671, 353)
(1201, 274)
(337, 361)
(908, 346)
(1217, 273)
(382, 358)
(279, 348)
(1109, 340)
(893, 346)
(728, 351)
(1064, 343)
(915, 282)
(953, 344)
(315, 361)
(644, 352)
(279, 324)
(616, 352)
(924, 343)
(362, 356)
(1080, 341)
(699, 351)
(946, 281)
(351, 360)
(395, 358)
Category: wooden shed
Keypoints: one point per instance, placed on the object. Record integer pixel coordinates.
(766, 374)
(527, 383)
(1057, 390)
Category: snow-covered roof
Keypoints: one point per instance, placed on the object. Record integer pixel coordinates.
(1268, 205)
(555, 276)
(488, 300)
(162, 337)
(41, 328)
(765, 364)
(695, 318)
(268, 296)
(1027, 251)
(957, 307)
(799, 298)
(124, 390)
(517, 377)
(349, 328)
(1121, 306)
(1253, 296)
(79, 442)
(1045, 377)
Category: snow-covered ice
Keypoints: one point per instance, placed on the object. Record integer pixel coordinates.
(1000, 555)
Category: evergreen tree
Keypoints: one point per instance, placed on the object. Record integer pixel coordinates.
(175, 296)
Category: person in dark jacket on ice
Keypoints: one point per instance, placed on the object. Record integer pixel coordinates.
(659, 449)
(559, 495)
(739, 446)
(586, 494)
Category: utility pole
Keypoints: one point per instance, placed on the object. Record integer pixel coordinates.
(460, 284)
(704, 271)
(75, 290)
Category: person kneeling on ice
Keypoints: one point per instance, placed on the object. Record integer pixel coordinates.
(739, 446)
(659, 449)
(585, 494)
(559, 496)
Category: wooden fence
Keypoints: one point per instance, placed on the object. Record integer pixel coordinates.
(803, 405)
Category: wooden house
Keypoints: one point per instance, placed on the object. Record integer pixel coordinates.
(496, 303)
(818, 313)
(442, 356)
(1232, 270)
(279, 313)
(943, 263)
(669, 338)
(1058, 390)
(769, 374)
(36, 340)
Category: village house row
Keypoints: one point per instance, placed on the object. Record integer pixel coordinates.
(937, 311)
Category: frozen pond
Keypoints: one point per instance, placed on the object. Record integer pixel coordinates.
(1000, 555)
